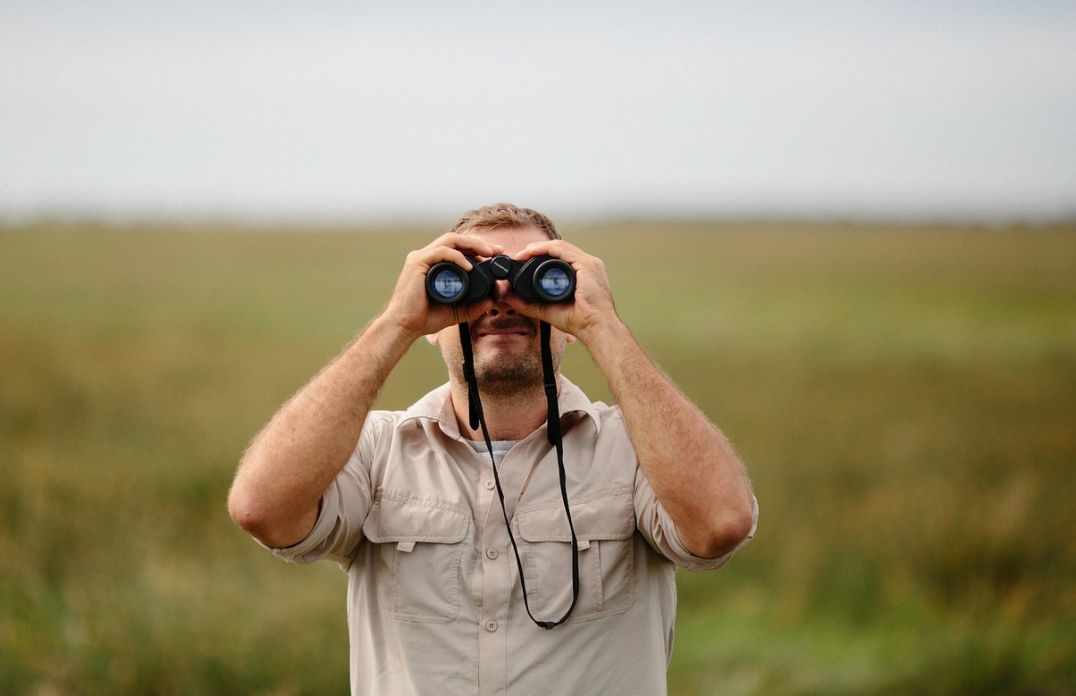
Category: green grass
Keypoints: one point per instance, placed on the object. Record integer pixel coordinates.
(904, 398)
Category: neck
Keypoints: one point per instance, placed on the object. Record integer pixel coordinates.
(508, 416)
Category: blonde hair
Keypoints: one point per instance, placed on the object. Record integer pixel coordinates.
(504, 215)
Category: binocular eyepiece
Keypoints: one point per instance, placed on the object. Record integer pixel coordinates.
(538, 279)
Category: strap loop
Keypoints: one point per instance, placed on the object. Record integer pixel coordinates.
(553, 432)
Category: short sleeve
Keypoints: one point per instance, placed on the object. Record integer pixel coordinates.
(344, 507)
(659, 530)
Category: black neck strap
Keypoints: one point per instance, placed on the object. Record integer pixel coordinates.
(549, 380)
(473, 400)
(553, 432)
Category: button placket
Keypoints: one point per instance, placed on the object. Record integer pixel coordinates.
(496, 593)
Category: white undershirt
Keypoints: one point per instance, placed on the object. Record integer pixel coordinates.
(500, 449)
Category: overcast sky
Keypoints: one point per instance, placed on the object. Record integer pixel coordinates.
(358, 109)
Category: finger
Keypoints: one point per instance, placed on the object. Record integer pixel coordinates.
(444, 253)
(461, 250)
(470, 244)
(556, 248)
(442, 316)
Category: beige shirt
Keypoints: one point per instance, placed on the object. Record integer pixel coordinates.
(434, 600)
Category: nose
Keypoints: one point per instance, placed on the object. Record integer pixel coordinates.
(500, 289)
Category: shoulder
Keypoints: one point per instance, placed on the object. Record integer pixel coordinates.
(431, 407)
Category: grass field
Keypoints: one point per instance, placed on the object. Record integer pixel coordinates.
(904, 398)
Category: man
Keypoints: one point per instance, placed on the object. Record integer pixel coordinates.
(406, 502)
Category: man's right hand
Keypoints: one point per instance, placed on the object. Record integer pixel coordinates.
(411, 309)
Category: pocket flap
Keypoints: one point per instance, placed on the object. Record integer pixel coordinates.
(396, 517)
(605, 516)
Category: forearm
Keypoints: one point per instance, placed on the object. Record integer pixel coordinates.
(691, 466)
(291, 462)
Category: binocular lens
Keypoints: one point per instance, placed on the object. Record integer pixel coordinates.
(448, 284)
(554, 283)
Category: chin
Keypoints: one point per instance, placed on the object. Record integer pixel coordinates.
(506, 375)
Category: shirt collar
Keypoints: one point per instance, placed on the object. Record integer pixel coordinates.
(437, 406)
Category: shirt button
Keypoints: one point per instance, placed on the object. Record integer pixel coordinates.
(491, 554)
(490, 485)
(491, 625)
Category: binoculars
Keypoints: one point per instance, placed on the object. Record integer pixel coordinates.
(538, 279)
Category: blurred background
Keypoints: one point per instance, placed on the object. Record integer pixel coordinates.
(847, 230)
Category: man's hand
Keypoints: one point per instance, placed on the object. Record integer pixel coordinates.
(591, 313)
(411, 309)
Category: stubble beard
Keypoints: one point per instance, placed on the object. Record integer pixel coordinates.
(515, 377)
(509, 377)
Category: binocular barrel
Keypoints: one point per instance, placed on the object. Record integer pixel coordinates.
(539, 279)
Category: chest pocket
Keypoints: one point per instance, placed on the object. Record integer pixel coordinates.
(605, 529)
(416, 551)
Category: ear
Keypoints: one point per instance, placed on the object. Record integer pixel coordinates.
(434, 339)
(568, 338)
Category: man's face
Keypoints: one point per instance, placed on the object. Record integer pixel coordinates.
(507, 345)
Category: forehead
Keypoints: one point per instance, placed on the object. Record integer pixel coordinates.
(513, 239)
